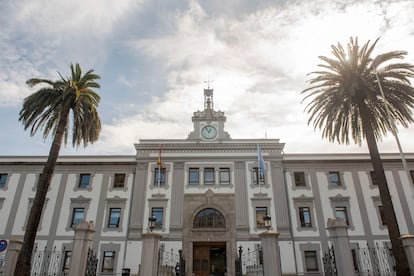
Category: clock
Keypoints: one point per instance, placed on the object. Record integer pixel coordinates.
(209, 132)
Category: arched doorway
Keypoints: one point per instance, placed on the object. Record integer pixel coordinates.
(209, 233)
(209, 258)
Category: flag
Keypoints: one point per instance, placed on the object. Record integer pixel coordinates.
(260, 160)
(159, 162)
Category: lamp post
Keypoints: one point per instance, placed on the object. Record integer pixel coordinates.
(267, 221)
(151, 222)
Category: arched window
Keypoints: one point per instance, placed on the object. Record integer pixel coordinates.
(209, 218)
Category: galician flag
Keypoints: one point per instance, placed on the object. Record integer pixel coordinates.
(260, 160)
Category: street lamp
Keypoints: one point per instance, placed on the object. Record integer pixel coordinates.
(151, 222)
(267, 221)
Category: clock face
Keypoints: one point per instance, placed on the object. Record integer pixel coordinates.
(209, 132)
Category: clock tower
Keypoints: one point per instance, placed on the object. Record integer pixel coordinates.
(208, 124)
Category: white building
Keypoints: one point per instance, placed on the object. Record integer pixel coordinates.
(208, 197)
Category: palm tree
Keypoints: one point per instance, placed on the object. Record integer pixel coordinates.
(49, 109)
(346, 103)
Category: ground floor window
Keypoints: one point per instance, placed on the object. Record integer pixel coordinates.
(108, 261)
(311, 261)
(260, 214)
(158, 213)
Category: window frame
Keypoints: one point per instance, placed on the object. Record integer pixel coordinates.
(260, 224)
(160, 177)
(301, 176)
(29, 207)
(377, 205)
(3, 183)
(117, 181)
(313, 256)
(79, 202)
(115, 249)
(338, 182)
(112, 259)
(67, 258)
(158, 225)
(193, 171)
(258, 178)
(209, 173)
(201, 220)
(302, 217)
(110, 217)
(342, 201)
(224, 172)
(81, 182)
(72, 223)
(344, 211)
(309, 246)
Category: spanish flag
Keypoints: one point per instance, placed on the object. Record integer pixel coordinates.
(159, 158)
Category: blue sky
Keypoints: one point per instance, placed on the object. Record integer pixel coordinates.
(154, 55)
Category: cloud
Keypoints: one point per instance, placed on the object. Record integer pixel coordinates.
(158, 54)
(259, 61)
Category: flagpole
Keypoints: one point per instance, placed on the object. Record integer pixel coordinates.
(393, 128)
(159, 169)
(261, 167)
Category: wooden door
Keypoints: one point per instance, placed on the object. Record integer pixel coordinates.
(201, 260)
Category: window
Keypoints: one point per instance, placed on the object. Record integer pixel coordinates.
(84, 180)
(209, 218)
(340, 212)
(66, 261)
(311, 261)
(299, 179)
(305, 217)
(382, 215)
(258, 177)
(334, 179)
(77, 215)
(119, 180)
(373, 178)
(3, 180)
(159, 177)
(194, 176)
(114, 217)
(108, 261)
(209, 176)
(260, 214)
(158, 213)
(224, 176)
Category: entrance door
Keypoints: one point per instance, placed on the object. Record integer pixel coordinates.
(209, 259)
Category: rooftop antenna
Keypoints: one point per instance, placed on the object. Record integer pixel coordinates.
(208, 95)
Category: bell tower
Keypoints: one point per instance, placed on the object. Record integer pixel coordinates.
(208, 124)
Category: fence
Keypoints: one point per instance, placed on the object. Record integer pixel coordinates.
(48, 262)
(167, 261)
(251, 261)
(373, 261)
(329, 263)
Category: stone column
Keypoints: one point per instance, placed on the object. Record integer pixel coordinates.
(149, 256)
(271, 253)
(13, 250)
(338, 233)
(81, 244)
(408, 244)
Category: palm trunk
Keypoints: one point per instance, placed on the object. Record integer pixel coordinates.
(23, 265)
(402, 268)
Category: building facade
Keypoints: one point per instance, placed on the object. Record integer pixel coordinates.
(208, 196)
